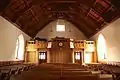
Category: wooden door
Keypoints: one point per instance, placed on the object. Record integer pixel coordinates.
(31, 57)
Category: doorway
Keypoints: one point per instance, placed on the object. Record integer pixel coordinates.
(78, 57)
(42, 57)
(31, 57)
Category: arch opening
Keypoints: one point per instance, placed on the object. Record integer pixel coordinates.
(19, 51)
(101, 48)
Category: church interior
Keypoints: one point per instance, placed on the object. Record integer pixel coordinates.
(59, 40)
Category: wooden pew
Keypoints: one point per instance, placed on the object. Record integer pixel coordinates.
(54, 77)
(54, 72)
(8, 71)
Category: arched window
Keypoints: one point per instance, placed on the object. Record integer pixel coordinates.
(19, 51)
(101, 48)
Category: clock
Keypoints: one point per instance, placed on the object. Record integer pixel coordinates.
(60, 44)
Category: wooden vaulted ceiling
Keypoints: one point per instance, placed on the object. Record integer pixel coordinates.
(89, 16)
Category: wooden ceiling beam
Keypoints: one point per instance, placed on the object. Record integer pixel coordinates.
(75, 13)
(90, 7)
(31, 10)
(82, 23)
(39, 13)
(89, 2)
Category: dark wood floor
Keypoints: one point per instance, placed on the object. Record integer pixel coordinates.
(59, 72)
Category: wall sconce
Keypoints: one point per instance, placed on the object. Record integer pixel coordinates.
(69, 30)
(51, 30)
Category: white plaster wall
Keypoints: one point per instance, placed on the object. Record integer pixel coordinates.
(74, 34)
(111, 34)
(8, 36)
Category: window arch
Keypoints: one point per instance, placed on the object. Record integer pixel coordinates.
(19, 51)
(101, 48)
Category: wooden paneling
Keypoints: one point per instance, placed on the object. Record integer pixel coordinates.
(60, 56)
(60, 51)
(32, 57)
(79, 44)
(41, 44)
